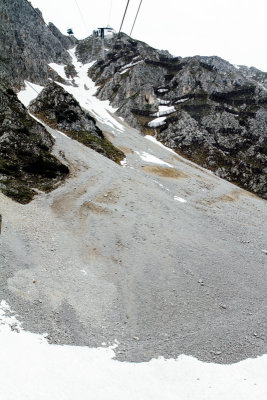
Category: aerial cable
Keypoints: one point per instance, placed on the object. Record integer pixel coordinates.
(28, 83)
(36, 12)
(124, 16)
(109, 14)
(81, 15)
(42, 19)
(136, 16)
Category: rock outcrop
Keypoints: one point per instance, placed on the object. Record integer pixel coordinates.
(26, 163)
(27, 44)
(60, 110)
(203, 107)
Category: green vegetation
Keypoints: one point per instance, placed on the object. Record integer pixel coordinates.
(101, 145)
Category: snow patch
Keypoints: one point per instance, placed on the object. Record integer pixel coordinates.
(31, 369)
(152, 159)
(157, 122)
(60, 70)
(154, 140)
(124, 162)
(84, 92)
(182, 100)
(180, 199)
(163, 90)
(164, 110)
(124, 71)
(30, 92)
(161, 101)
(132, 64)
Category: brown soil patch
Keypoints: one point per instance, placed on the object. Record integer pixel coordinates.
(108, 135)
(126, 150)
(89, 206)
(165, 172)
(235, 195)
(228, 198)
(108, 197)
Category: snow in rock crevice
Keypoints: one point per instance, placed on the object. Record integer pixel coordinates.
(155, 123)
(84, 92)
(29, 93)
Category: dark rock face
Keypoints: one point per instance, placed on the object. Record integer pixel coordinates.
(59, 106)
(60, 110)
(25, 145)
(219, 112)
(27, 45)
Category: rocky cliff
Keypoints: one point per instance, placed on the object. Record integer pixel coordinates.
(26, 163)
(60, 110)
(203, 107)
(27, 44)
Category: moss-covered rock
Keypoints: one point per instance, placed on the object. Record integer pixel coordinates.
(58, 109)
(26, 163)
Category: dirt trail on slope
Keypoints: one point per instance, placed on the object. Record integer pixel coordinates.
(165, 260)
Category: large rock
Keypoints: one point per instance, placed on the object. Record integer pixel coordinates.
(60, 110)
(25, 145)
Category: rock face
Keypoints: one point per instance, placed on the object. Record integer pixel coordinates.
(27, 45)
(60, 110)
(25, 145)
(127, 76)
(203, 107)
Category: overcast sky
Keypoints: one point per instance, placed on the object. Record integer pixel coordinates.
(232, 29)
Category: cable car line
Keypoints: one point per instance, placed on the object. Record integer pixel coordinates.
(32, 87)
(124, 16)
(36, 12)
(109, 14)
(136, 17)
(42, 19)
(81, 15)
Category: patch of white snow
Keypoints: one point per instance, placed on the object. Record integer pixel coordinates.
(84, 92)
(60, 70)
(124, 162)
(149, 158)
(164, 110)
(30, 92)
(132, 64)
(154, 140)
(182, 100)
(157, 122)
(31, 369)
(180, 199)
(161, 101)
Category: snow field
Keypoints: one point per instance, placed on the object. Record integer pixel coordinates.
(30, 92)
(32, 369)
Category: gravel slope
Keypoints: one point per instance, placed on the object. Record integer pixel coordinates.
(112, 255)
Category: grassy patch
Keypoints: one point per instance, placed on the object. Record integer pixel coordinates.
(100, 145)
